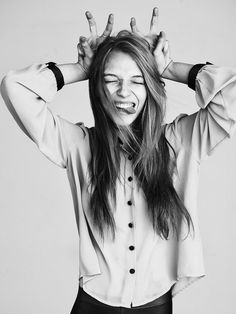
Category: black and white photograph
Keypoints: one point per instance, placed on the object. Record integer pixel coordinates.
(118, 151)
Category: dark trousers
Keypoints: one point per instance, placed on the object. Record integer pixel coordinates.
(86, 304)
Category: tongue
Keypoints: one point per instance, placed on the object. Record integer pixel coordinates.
(128, 110)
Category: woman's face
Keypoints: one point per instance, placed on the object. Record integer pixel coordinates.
(125, 83)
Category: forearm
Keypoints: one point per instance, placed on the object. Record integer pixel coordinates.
(72, 73)
(177, 72)
(27, 91)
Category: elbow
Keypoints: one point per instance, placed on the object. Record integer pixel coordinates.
(3, 86)
(8, 76)
(6, 83)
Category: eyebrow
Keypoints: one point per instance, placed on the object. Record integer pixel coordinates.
(133, 76)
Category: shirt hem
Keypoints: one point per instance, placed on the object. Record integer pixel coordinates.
(182, 286)
(134, 304)
(177, 286)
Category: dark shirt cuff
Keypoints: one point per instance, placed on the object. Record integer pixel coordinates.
(193, 74)
(58, 75)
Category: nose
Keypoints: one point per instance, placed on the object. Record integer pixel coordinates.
(123, 89)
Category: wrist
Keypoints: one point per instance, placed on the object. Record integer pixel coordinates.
(72, 72)
(57, 73)
(169, 71)
(165, 71)
(84, 75)
(178, 72)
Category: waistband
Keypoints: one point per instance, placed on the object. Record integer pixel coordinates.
(167, 297)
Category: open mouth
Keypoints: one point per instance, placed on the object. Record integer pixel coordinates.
(128, 108)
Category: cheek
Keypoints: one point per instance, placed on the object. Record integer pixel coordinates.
(111, 89)
(142, 95)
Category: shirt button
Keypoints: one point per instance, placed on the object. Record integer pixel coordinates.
(130, 178)
(132, 271)
(130, 225)
(131, 247)
(130, 157)
(129, 203)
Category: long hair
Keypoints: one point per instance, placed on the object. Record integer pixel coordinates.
(144, 139)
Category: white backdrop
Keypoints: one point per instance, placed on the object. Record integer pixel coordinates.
(38, 235)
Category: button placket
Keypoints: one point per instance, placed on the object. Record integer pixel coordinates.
(130, 247)
(129, 171)
(128, 174)
(131, 224)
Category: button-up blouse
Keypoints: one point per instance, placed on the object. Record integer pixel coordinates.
(138, 266)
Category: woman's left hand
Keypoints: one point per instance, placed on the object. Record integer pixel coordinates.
(162, 54)
(152, 36)
(158, 43)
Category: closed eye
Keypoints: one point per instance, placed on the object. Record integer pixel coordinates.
(111, 81)
(141, 83)
(134, 82)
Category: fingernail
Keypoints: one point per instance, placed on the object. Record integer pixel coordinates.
(82, 39)
(88, 14)
(111, 18)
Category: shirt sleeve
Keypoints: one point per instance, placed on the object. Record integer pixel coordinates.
(26, 93)
(204, 130)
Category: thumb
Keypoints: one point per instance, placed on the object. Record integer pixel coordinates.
(86, 47)
(166, 47)
(160, 44)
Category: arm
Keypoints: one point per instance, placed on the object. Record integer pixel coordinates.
(215, 91)
(215, 122)
(72, 73)
(27, 93)
(174, 71)
(177, 72)
(79, 71)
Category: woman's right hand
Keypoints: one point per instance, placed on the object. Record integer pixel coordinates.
(88, 46)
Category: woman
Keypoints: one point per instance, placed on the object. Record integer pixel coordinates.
(133, 178)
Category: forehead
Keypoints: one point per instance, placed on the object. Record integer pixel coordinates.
(121, 63)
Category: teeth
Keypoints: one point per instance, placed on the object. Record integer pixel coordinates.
(124, 105)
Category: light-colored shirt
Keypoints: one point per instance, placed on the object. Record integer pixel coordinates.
(138, 266)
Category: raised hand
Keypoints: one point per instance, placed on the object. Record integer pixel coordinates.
(158, 43)
(85, 55)
(87, 46)
(95, 40)
(152, 36)
(162, 53)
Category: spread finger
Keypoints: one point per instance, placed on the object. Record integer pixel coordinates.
(92, 23)
(109, 26)
(134, 26)
(154, 21)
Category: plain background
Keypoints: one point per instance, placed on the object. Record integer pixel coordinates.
(38, 235)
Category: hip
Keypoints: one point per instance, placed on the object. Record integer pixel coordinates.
(86, 304)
